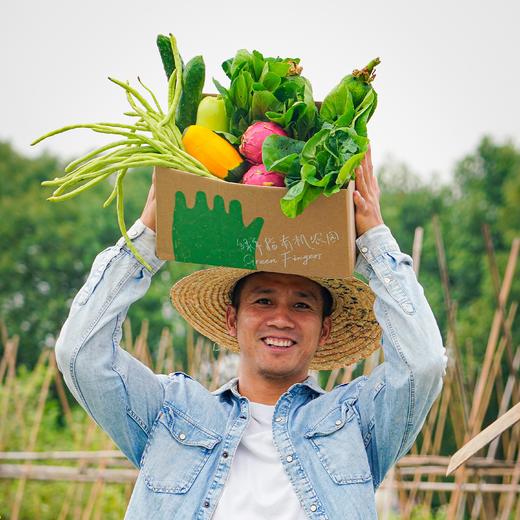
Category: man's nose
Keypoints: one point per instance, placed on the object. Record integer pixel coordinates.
(281, 317)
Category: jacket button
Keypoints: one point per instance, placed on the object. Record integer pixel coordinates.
(407, 307)
(289, 458)
(225, 454)
(206, 504)
(338, 422)
(364, 249)
(279, 419)
(313, 508)
(182, 436)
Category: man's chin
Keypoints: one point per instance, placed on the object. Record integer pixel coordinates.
(280, 373)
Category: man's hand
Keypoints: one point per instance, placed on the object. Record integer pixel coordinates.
(366, 197)
(148, 214)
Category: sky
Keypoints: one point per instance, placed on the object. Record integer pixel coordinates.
(448, 72)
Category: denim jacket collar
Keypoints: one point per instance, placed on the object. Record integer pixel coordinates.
(232, 386)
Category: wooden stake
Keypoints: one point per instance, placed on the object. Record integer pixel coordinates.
(15, 511)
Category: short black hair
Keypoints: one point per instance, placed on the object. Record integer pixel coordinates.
(325, 296)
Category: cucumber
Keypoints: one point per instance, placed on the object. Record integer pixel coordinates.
(165, 49)
(192, 84)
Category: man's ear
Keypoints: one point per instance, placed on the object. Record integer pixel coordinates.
(231, 320)
(326, 327)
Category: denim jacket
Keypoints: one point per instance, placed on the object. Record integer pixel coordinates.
(335, 447)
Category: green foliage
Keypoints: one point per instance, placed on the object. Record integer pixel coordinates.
(46, 250)
(485, 190)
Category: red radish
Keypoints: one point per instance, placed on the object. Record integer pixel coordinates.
(254, 137)
(257, 175)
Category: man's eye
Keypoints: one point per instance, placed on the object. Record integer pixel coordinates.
(302, 305)
(263, 301)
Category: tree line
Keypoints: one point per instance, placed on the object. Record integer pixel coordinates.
(46, 249)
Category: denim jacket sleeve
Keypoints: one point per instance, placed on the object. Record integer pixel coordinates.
(395, 399)
(121, 394)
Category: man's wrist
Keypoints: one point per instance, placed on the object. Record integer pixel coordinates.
(144, 240)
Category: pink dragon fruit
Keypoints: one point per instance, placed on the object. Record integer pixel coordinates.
(254, 137)
(257, 175)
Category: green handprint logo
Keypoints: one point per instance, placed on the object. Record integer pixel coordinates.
(215, 237)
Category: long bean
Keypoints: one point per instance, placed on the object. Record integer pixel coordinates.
(83, 188)
(72, 165)
(128, 88)
(151, 139)
(131, 162)
(172, 107)
(159, 109)
(121, 220)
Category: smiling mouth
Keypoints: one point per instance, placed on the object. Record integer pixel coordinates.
(278, 343)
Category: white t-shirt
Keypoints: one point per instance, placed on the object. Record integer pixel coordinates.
(258, 487)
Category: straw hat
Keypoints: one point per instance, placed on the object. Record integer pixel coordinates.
(202, 297)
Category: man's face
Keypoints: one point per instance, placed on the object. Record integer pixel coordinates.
(279, 325)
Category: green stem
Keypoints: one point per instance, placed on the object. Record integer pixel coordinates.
(71, 166)
(134, 92)
(121, 220)
(159, 109)
(83, 188)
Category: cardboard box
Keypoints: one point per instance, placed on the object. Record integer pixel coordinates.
(206, 221)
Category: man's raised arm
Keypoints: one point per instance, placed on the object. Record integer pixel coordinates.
(394, 401)
(119, 392)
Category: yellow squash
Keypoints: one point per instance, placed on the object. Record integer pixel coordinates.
(214, 152)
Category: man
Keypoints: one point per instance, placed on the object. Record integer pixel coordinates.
(270, 443)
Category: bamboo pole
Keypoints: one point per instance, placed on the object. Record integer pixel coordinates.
(127, 336)
(473, 422)
(459, 408)
(11, 348)
(493, 339)
(15, 511)
(495, 276)
(164, 343)
(417, 249)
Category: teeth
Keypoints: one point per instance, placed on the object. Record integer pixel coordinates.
(275, 342)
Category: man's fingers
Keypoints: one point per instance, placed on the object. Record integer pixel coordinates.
(359, 201)
(361, 184)
(369, 157)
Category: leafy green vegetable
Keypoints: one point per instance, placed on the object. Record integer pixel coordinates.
(323, 164)
(268, 89)
(353, 101)
(279, 153)
(338, 104)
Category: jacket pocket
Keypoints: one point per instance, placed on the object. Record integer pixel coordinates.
(338, 443)
(176, 451)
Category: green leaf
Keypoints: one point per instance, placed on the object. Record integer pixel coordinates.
(338, 104)
(243, 59)
(298, 198)
(365, 105)
(258, 64)
(309, 150)
(262, 102)
(271, 81)
(230, 138)
(347, 170)
(280, 152)
(288, 90)
(280, 68)
(226, 67)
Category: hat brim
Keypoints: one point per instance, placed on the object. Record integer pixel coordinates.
(202, 297)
